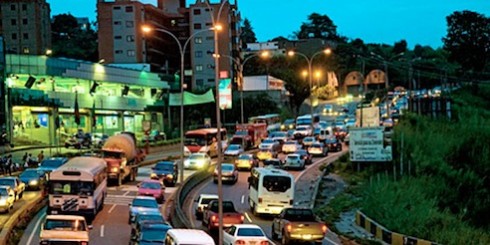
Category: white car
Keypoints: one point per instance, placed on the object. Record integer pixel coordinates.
(64, 229)
(308, 141)
(7, 198)
(234, 150)
(290, 146)
(303, 130)
(294, 161)
(202, 203)
(280, 136)
(270, 144)
(197, 161)
(318, 149)
(245, 234)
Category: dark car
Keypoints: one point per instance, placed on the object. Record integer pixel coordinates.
(273, 163)
(149, 216)
(151, 233)
(34, 179)
(288, 124)
(229, 173)
(166, 171)
(79, 140)
(305, 156)
(333, 144)
(154, 136)
(50, 164)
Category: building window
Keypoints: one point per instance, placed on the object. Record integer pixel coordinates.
(118, 51)
(199, 82)
(209, 24)
(209, 38)
(117, 8)
(25, 35)
(129, 23)
(130, 38)
(198, 40)
(24, 7)
(197, 11)
(117, 37)
(25, 50)
(198, 54)
(12, 7)
(129, 9)
(24, 21)
(13, 22)
(210, 66)
(198, 67)
(117, 23)
(131, 53)
(211, 80)
(14, 36)
(197, 26)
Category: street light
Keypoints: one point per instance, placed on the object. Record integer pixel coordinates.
(310, 73)
(149, 29)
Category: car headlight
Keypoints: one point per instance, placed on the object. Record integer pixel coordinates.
(3, 202)
(152, 175)
(33, 182)
(200, 163)
(170, 176)
(115, 169)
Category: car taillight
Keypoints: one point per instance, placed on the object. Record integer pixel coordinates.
(260, 199)
(84, 243)
(239, 242)
(324, 228)
(242, 218)
(214, 218)
(264, 243)
(289, 227)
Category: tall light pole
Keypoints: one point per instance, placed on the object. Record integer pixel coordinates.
(310, 74)
(182, 48)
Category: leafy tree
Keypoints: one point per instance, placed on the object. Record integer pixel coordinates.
(71, 40)
(468, 39)
(400, 47)
(319, 26)
(248, 34)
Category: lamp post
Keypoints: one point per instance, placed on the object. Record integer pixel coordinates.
(310, 74)
(182, 48)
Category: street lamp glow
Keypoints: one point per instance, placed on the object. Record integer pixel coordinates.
(218, 27)
(291, 53)
(304, 73)
(146, 29)
(327, 51)
(265, 54)
(318, 74)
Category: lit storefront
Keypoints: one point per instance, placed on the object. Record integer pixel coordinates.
(42, 92)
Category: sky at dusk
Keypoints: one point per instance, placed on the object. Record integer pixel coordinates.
(374, 21)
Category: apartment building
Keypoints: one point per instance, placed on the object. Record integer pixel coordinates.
(25, 26)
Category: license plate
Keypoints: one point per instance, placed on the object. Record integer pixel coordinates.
(252, 242)
(307, 236)
(54, 212)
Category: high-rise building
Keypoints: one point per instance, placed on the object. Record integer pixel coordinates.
(26, 26)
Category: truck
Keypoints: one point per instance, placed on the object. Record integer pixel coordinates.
(298, 224)
(249, 135)
(122, 157)
(230, 215)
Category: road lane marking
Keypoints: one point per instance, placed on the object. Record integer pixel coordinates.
(34, 232)
(102, 231)
(126, 193)
(332, 242)
(112, 208)
(243, 199)
(248, 217)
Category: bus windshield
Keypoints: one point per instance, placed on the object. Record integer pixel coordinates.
(276, 183)
(71, 187)
(195, 140)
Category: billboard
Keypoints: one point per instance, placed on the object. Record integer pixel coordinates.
(369, 145)
(225, 100)
(370, 116)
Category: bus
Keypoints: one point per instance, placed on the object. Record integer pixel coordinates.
(79, 187)
(270, 190)
(273, 121)
(204, 140)
(306, 120)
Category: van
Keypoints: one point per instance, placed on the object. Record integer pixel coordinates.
(64, 228)
(188, 236)
(321, 134)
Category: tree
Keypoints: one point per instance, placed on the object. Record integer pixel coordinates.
(400, 47)
(319, 26)
(71, 40)
(248, 34)
(468, 40)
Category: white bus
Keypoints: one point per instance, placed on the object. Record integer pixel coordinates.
(306, 120)
(79, 187)
(270, 190)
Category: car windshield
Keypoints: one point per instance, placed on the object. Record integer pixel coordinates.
(58, 187)
(308, 139)
(195, 141)
(276, 183)
(51, 163)
(151, 217)
(233, 147)
(154, 235)
(227, 167)
(241, 132)
(64, 225)
(29, 174)
(294, 157)
(206, 201)
(196, 157)
(3, 192)
(331, 140)
(244, 157)
(289, 121)
(9, 182)
(301, 152)
(302, 128)
(146, 203)
(268, 141)
(280, 134)
(316, 145)
(250, 232)
(290, 143)
(299, 215)
(164, 166)
(150, 185)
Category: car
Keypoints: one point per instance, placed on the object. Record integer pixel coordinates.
(16, 185)
(291, 146)
(229, 173)
(270, 144)
(79, 141)
(264, 154)
(333, 144)
(273, 163)
(7, 198)
(347, 139)
(351, 122)
(280, 136)
(294, 161)
(99, 139)
(323, 124)
(202, 202)
(318, 149)
(230, 215)
(153, 136)
(148, 217)
(52, 163)
(303, 131)
(288, 124)
(151, 233)
(153, 188)
(295, 225)
(305, 156)
(33, 178)
(388, 123)
(245, 234)
(246, 161)
(308, 141)
(327, 109)
(340, 125)
(197, 161)
(166, 171)
(64, 229)
(233, 150)
(142, 204)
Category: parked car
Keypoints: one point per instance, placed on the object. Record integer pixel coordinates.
(142, 204)
(318, 149)
(333, 144)
(33, 178)
(294, 161)
(202, 202)
(298, 225)
(153, 188)
(7, 198)
(305, 156)
(246, 161)
(197, 161)
(16, 185)
(230, 215)
(166, 171)
(229, 173)
(233, 150)
(154, 136)
(245, 234)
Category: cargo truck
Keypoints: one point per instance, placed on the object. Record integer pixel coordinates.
(249, 135)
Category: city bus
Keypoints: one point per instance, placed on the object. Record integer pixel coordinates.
(270, 190)
(204, 141)
(79, 187)
(306, 120)
(273, 121)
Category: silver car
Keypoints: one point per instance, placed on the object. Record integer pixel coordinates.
(294, 161)
(7, 198)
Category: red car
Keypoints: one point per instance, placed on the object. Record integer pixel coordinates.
(230, 215)
(229, 173)
(153, 188)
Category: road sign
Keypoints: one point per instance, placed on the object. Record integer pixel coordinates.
(368, 145)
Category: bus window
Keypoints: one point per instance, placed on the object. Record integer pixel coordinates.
(276, 183)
